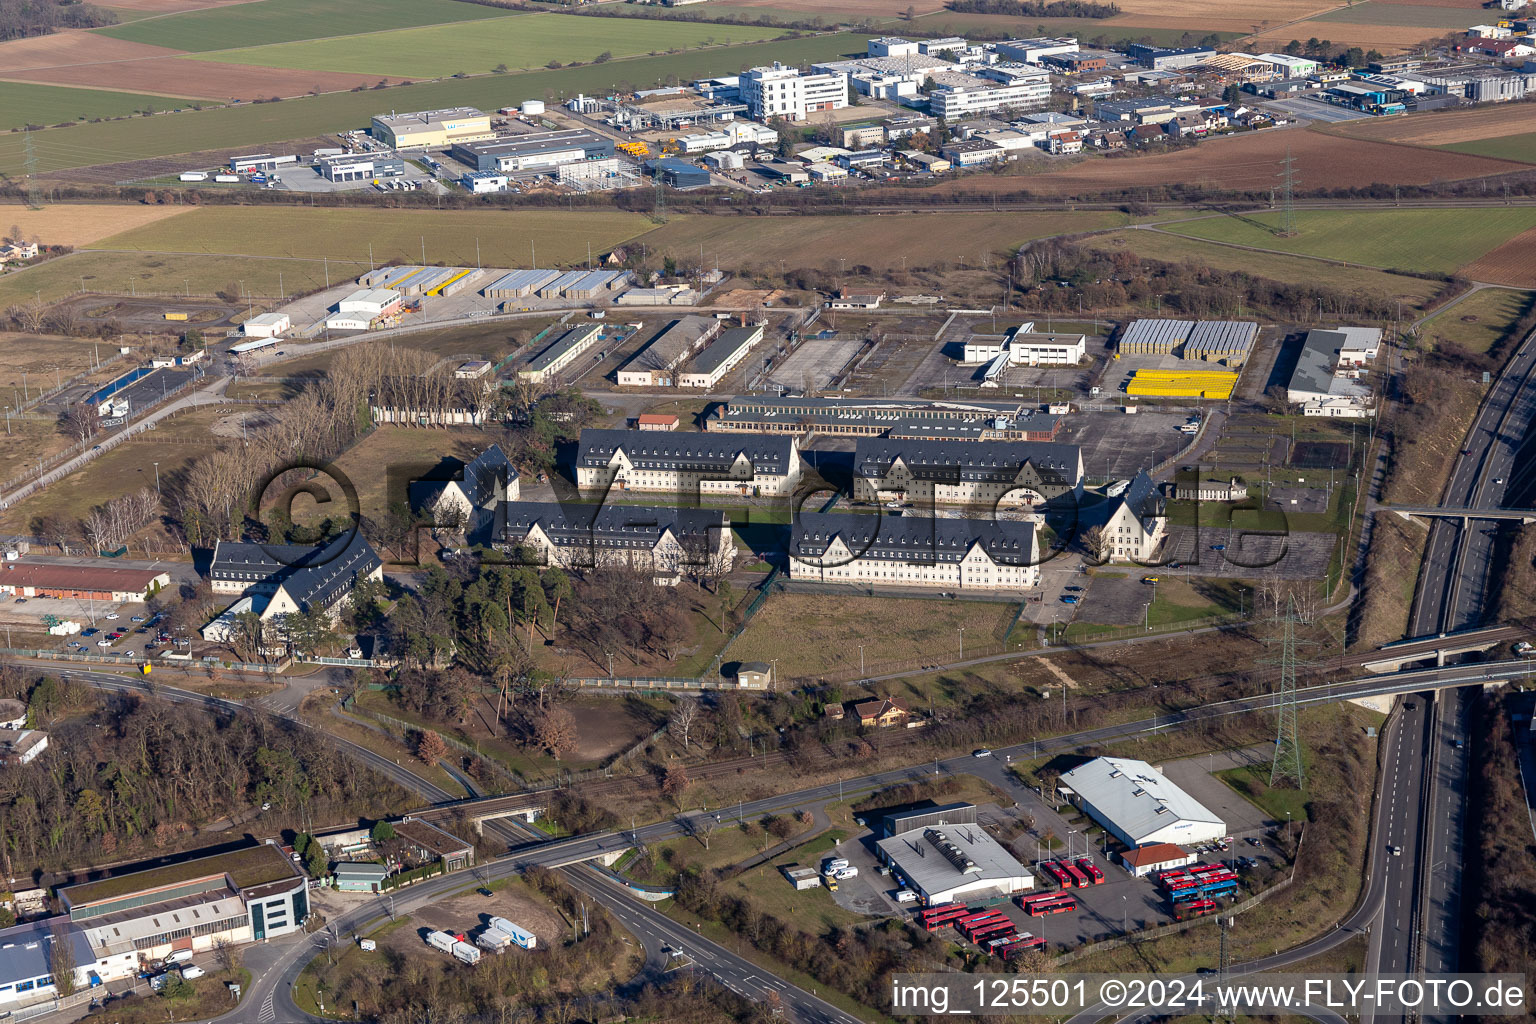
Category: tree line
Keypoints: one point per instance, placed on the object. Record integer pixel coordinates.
(1036, 8)
(129, 774)
(20, 19)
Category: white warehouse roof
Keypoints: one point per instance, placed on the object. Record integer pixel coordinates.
(1138, 805)
(950, 862)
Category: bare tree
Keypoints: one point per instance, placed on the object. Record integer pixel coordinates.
(61, 960)
(555, 731)
(80, 421)
(684, 714)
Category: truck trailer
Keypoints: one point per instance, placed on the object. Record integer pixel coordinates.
(522, 936)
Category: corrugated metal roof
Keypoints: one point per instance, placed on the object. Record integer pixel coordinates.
(1135, 796)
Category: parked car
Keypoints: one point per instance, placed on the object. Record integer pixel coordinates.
(983, 752)
(111, 615)
(1068, 599)
(191, 972)
(103, 643)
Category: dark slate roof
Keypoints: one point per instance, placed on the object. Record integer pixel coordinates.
(485, 473)
(610, 525)
(1141, 495)
(987, 460)
(913, 538)
(668, 450)
(312, 576)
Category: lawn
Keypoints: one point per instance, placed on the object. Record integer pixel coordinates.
(829, 630)
(152, 272)
(24, 103)
(277, 21)
(1520, 147)
(250, 127)
(397, 455)
(1480, 321)
(122, 470)
(527, 42)
(1158, 245)
(873, 241)
(1434, 241)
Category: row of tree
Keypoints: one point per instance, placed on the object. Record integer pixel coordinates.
(20, 19)
(1036, 8)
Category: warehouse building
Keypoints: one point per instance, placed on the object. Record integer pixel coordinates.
(359, 166)
(1322, 384)
(432, 129)
(1224, 342)
(1163, 58)
(266, 325)
(261, 163)
(370, 303)
(945, 856)
(733, 134)
(687, 463)
(519, 284)
(949, 472)
(1137, 805)
(81, 582)
(534, 152)
(1033, 51)
(1160, 337)
(655, 364)
(664, 542)
(973, 153)
(677, 173)
(556, 288)
(895, 418)
(1024, 346)
(915, 551)
(248, 895)
(597, 283)
(722, 356)
(781, 91)
(562, 352)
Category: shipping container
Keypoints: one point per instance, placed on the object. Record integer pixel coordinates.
(522, 936)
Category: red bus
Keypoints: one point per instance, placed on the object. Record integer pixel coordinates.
(1195, 908)
(1057, 875)
(1163, 876)
(978, 916)
(934, 918)
(1219, 875)
(1079, 880)
(1060, 905)
(1018, 946)
(969, 926)
(996, 929)
(997, 942)
(1040, 897)
(1196, 870)
(1091, 869)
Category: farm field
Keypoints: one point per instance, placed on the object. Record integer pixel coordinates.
(1520, 147)
(873, 241)
(1158, 245)
(395, 235)
(527, 42)
(838, 8)
(1478, 322)
(1444, 129)
(1374, 12)
(1434, 241)
(277, 21)
(25, 103)
(828, 630)
(250, 127)
(1123, 26)
(1386, 38)
(1246, 162)
(266, 248)
(80, 225)
(1513, 263)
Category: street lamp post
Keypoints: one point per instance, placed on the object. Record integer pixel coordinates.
(962, 643)
(157, 478)
(861, 661)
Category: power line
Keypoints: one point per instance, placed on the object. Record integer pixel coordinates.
(1287, 766)
(1288, 180)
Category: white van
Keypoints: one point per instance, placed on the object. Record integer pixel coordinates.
(905, 896)
(180, 956)
(191, 972)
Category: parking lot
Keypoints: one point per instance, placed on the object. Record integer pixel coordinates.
(1294, 556)
(814, 364)
(1117, 446)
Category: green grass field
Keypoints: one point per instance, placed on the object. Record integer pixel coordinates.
(278, 21)
(1405, 15)
(524, 42)
(1087, 30)
(256, 245)
(1520, 147)
(1435, 241)
(250, 127)
(23, 103)
(1279, 267)
(1478, 322)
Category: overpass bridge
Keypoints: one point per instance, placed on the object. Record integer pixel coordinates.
(479, 810)
(1520, 515)
(1392, 657)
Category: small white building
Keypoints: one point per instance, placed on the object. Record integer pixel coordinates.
(1137, 805)
(945, 856)
(266, 325)
(21, 746)
(370, 303)
(483, 182)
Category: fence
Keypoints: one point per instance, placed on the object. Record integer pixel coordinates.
(1174, 927)
(43, 396)
(124, 662)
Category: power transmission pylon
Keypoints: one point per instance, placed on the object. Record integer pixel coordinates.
(29, 158)
(1287, 178)
(1287, 765)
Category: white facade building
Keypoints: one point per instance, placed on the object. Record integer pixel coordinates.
(781, 91)
(955, 95)
(663, 542)
(1020, 473)
(915, 551)
(945, 856)
(1135, 527)
(266, 325)
(1137, 805)
(687, 462)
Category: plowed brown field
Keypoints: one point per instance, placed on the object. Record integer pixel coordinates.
(101, 62)
(1252, 162)
(1445, 129)
(172, 6)
(1386, 38)
(171, 76)
(849, 8)
(80, 225)
(1513, 263)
